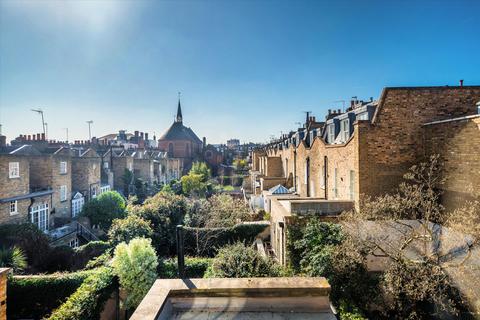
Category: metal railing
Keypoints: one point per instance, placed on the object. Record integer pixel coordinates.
(85, 232)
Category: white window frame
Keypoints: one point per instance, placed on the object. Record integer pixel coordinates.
(77, 206)
(63, 167)
(73, 243)
(63, 193)
(14, 206)
(40, 216)
(331, 133)
(14, 170)
(345, 129)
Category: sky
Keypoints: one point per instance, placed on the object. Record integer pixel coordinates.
(245, 69)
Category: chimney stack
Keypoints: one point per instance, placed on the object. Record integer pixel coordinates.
(38, 136)
(141, 135)
(43, 136)
(136, 133)
(461, 83)
(28, 138)
(339, 111)
(146, 135)
(352, 103)
(329, 111)
(3, 141)
(204, 142)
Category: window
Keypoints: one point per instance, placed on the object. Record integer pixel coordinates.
(77, 205)
(13, 170)
(73, 243)
(39, 216)
(63, 167)
(322, 178)
(13, 207)
(362, 116)
(331, 133)
(130, 166)
(63, 193)
(105, 165)
(94, 191)
(345, 129)
(352, 185)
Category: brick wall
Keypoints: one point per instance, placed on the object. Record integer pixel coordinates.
(86, 175)
(14, 186)
(119, 164)
(458, 144)
(3, 293)
(143, 169)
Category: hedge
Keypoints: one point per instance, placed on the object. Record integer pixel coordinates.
(33, 297)
(206, 241)
(194, 267)
(88, 301)
(85, 253)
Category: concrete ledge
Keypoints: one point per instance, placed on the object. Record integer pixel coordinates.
(236, 294)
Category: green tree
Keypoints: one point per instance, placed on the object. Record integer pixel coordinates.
(127, 180)
(135, 264)
(164, 211)
(240, 261)
(103, 209)
(202, 169)
(124, 230)
(192, 184)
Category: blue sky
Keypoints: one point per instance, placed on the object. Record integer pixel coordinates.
(246, 69)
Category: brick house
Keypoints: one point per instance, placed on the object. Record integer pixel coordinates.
(52, 169)
(19, 201)
(367, 149)
(86, 178)
(143, 166)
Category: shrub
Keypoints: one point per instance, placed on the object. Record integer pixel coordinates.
(194, 267)
(164, 211)
(240, 261)
(135, 265)
(124, 230)
(207, 241)
(33, 297)
(105, 208)
(13, 258)
(59, 259)
(33, 242)
(87, 302)
(84, 254)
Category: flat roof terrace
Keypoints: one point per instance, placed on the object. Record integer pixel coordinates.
(242, 298)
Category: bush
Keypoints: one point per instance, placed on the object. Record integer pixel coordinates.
(105, 208)
(240, 261)
(84, 254)
(164, 211)
(135, 265)
(33, 297)
(87, 302)
(194, 267)
(207, 241)
(13, 258)
(124, 230)
(33, 242)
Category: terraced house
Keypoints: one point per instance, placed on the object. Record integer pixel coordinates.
(367, 149)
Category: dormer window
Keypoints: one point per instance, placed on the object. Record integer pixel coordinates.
(345, 129)
(331, 133)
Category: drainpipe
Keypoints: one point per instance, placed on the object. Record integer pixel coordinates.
(295, 170)
(282, 257)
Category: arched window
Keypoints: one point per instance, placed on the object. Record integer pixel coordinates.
(170, 149)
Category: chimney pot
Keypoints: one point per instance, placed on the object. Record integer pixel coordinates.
(461, 83)
(43, 136)
(352, 103)
(38, 136)
(146, 135)
(136, 133)
(339, 111)
(329, 111)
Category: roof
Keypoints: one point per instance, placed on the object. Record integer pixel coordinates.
(178, 131)
(278, 189)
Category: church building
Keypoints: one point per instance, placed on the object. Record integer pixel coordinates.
(181, 142)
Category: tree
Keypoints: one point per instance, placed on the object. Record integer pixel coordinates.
(193, 184)
(135, 264)
(224, 211)
(127, 180)
(202, 169)
(164, 211)
(407, 227)
(124, 230)
(103, 209)
(240, 261)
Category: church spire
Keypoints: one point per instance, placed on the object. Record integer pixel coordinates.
(179, 111)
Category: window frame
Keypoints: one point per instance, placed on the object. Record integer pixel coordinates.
(345, 129)
(63, 194)
(63, 167)
(331, 133)
(14, 170)
(15, 206)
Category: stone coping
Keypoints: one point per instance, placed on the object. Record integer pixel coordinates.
(153, 303)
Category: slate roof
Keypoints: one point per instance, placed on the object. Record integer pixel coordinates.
(178, 131)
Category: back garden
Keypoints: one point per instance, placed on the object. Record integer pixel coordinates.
(110, 277)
